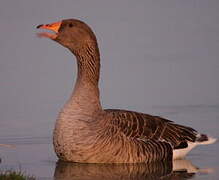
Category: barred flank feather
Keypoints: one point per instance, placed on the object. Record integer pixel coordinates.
(144, 126)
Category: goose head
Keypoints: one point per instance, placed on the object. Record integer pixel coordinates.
(70, 33)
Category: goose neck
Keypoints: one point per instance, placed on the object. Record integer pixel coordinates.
(86, 92)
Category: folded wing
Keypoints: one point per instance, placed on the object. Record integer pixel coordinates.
(147, 127)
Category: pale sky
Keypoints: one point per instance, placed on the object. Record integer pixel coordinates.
(153, 53)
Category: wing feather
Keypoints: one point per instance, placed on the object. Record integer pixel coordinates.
(147, 127)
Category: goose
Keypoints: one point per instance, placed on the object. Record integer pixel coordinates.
(86, 133)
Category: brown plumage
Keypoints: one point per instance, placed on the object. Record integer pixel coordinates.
(84, 132)
(144, 127)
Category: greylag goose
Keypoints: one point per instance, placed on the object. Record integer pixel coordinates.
(86, 133)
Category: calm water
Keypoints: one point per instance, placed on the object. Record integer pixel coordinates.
(35, 156)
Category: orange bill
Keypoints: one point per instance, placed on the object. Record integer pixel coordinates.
(53, 27)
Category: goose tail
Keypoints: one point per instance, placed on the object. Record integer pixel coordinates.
(203, 139)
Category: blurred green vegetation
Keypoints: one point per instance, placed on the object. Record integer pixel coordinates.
(14, 175)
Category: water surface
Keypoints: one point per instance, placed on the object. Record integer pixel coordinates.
(35, 155)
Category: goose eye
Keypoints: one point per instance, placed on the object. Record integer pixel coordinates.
(70, 25)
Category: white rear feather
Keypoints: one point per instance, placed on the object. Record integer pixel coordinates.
(181, 153)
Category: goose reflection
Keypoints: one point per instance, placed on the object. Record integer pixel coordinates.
(177, 170)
